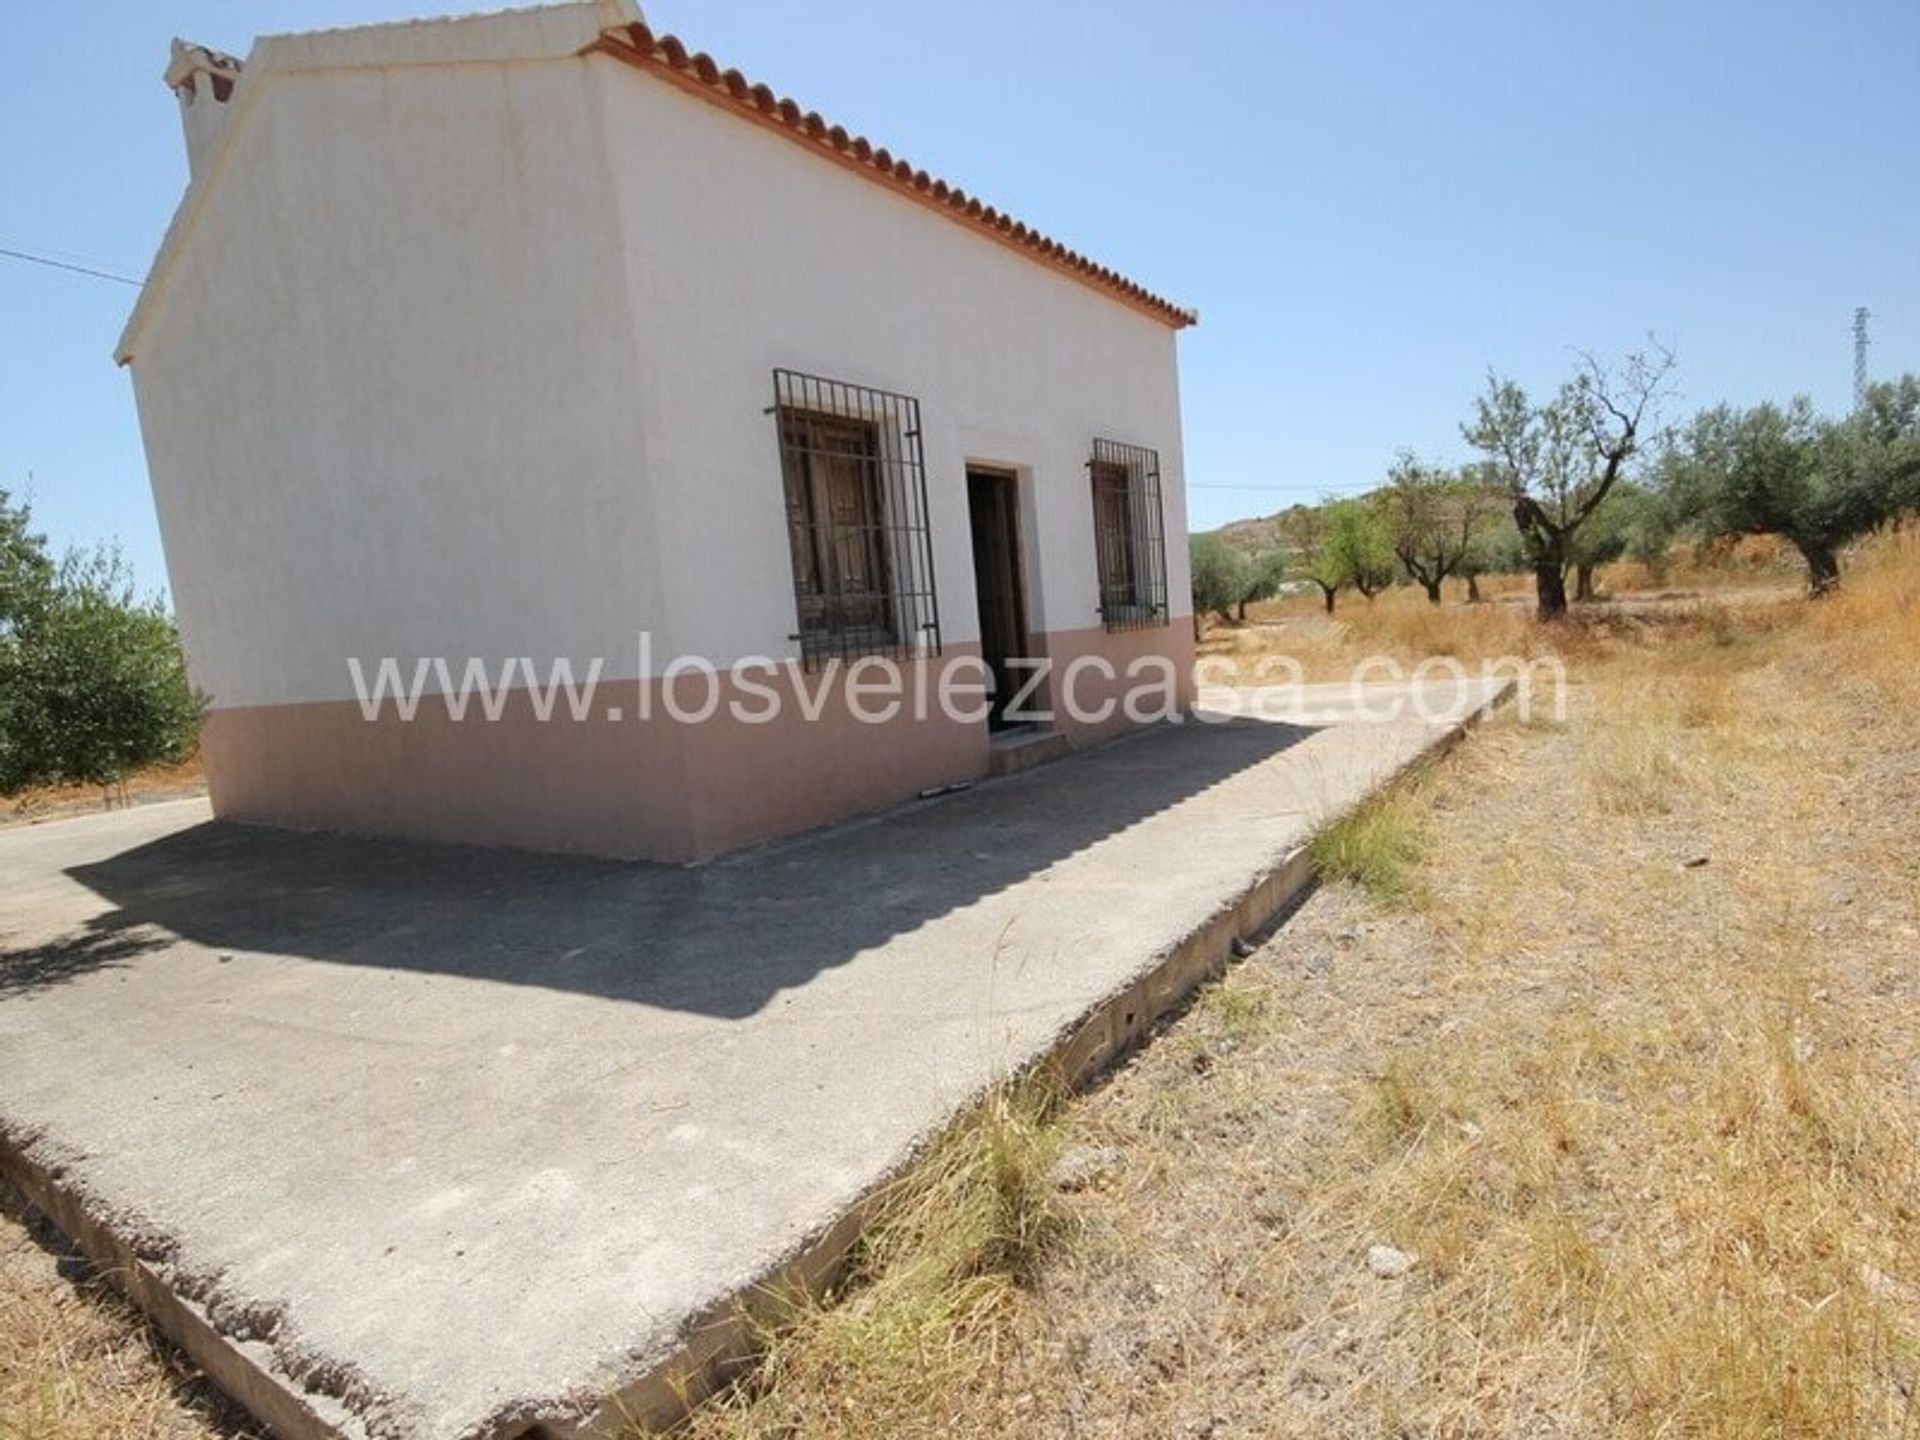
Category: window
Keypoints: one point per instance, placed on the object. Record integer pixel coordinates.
(856, 504)
(1130, 543)
(1113, 529)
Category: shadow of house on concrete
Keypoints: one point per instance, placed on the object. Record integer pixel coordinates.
(719, 940)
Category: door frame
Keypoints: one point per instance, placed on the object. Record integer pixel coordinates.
(1006, 480)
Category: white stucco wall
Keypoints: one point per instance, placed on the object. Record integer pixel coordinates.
(746, 253)
(388, 396)
(473, 359)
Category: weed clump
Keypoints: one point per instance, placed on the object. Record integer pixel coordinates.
(1375, 846)
(927, 1290)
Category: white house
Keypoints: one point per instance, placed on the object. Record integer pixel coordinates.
(530, 336)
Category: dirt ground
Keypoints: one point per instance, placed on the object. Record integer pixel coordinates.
(1592, 1112)
(1599, 1119)
(56, 802)
(1564, 1083)
(77, 1363)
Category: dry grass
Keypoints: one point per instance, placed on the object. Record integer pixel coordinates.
(1718, 567)
(1295, 639)
(77, 1364)
(1633, 1082)
(929, 1290)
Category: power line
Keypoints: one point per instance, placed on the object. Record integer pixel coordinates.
(53, 264)
(1273, 489)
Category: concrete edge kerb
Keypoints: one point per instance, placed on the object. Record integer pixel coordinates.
(720, 1341)
(715, 1344)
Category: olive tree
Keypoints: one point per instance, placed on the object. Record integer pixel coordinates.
(1266, 569)
(1357, 546)
(1633, 520)
(1339, 545)
(1886, 432)
(1305, 527)
(1220, 577)
(1558, 461)
(1786, 471)
(1496, 550)
(1433, 517)
(1226, 578)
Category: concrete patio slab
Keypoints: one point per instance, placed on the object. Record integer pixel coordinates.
(415, 1140)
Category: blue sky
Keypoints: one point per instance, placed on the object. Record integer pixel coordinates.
(1369, 203)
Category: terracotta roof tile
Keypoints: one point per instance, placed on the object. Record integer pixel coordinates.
(699, 73)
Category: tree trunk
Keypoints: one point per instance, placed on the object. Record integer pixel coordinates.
(1433, 590)
(1550, 584)
(1198, 627)
(1583, 582)
(1243, 612)
(1823, 568)
(1327, 591)
(1473, 589)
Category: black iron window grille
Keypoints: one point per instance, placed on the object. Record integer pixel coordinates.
(856, 494)
(1130, 537)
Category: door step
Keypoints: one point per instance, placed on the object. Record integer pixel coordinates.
(1014, 750)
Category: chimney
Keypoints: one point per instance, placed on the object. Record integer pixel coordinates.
(202, 80)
